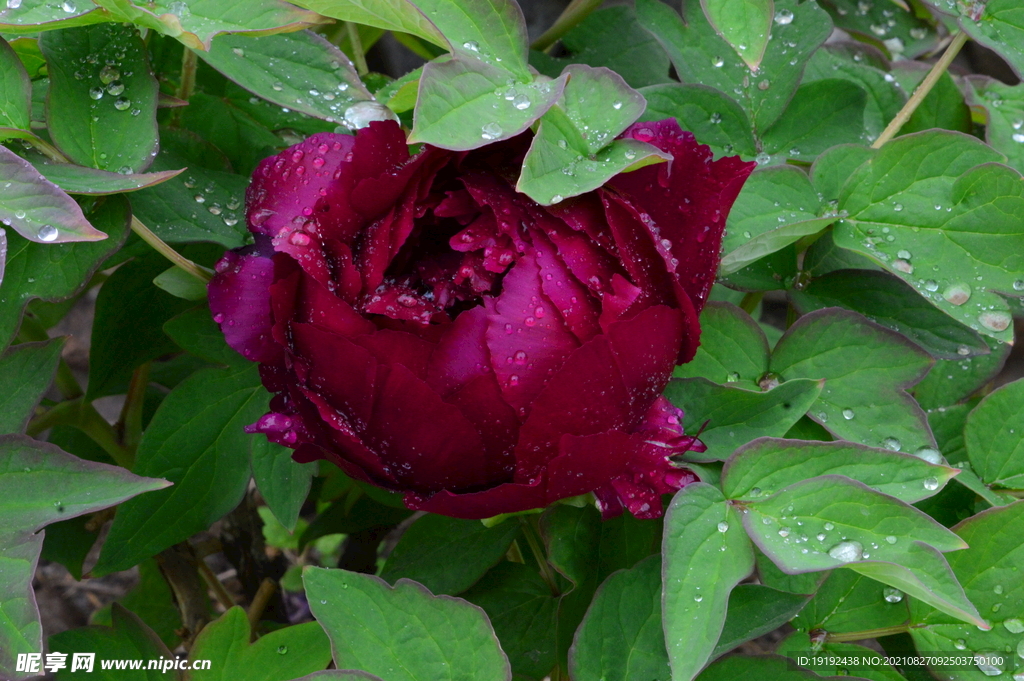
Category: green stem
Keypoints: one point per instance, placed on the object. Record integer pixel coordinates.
(358, 56)
(83, 416)
(922, 90)
(867, 633)
(186, 82)
(161, 247)
(131, 413)
(48, 150)
(750, 301)
(32, 331)
(530, 531)
(573, 14)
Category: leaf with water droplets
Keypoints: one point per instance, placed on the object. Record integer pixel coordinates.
(403, 633)
(300, 71)
(26, 371)
(735, 416)
(54, 272)
(1004, 108)
(701, 57)
(700, 567)
(39, 485)
(848, 601)
(897, 30)
(990, 573)
(867, 369)
(745, 24)
(465, 103)
(280, 655)
(821, 114)
(776, 207)
(888, 301)
(38, 209)
(769, 464)
(994, 436)
(575, 150)
(996, 24)
(713, 118)
(943, 198)
(400, 16)
(15, 92)
(81, 180)
(33, 16)
(733, 348)
(92, 126)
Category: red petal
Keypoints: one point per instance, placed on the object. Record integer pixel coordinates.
(240, 303)
(507, 498)
(461, 355)
(571, 298)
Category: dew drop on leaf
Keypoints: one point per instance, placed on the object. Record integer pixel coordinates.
(931, 484)
(847, 551)
(723, 526)
(892, 595)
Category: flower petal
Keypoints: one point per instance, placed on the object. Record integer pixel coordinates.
(240, 303)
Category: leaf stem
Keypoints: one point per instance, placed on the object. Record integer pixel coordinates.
(922, 90)
(187, 81)
(82, 415)
(259, 603)
(48, 150)
(358, 56)
(573, 14)
(750, 301)
(159, 245)
(223, 597)
(850, 636)
(130, 421)
(532, 535)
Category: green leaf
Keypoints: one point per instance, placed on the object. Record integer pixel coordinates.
(575, 150)
(832, 168)
(196, 22)
(195, 331)
(804, 583)
(403, 633)
(128, 639)
(340, 675)
(523, 613)
(151, 599)
(754, 611)
(15, 91)
(924, 202)
(180, 284)
(848, 601)
(101, 112)
(424, 552)
(768, 465)
(705, 555)
(277, 656)
(944, 106)
(821, 114)
(39, 485)
(283, 483)
(887, 300)
(127, 332)
(898, 31)
(701, 57)
(33, 16)
(1000, 27)
(346, 517)
(196, 440)
(239, 136)
(300, 71)
(68, 542)
(776, 207)
(989, 572)
(612, 37)
(713, 118)
(952, 381)
(735, 416)
(38, 209)
(763, 668)
(620, 638)
(56, 271)
(465, 103)
(846, 60)
(81, 180)
(400, 16)
(26, 372)
(1004, 109)
(733, 348)
(172, 210)
(866, 370)
(625, 541)
(994, 436)
(745, 24)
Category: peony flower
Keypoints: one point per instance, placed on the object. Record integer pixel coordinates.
(432, 331)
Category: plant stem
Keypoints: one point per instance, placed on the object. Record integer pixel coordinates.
(223, 597)
(533, 539)
(130, 421)
(750, 301)
(574, 13)
(259, 603)
(187, 82)
(922, 90)
(48, 150)
(866, 633)
(158, 244)
(83, 416)
(358, 56)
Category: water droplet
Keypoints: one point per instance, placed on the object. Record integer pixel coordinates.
(1014, 625)
(762, 158)
(723, 526)
(108, 74)
(471, 45)
(96, 92)
(732, 377)
(47, 233)
(892, 595)
(1018, 137)
(892, 443)
(930, 455)
(986, 663)
(115, 88)
(717, 62)
(557, 198)
(698, 598)
(897, 207)
(69, 6)
(764, 85)
(998, 589)
(829, 527)
(847, 551)
(784, 532)
(957, 294)
(784, 17)
(716, 118)
(960, 644)
(931, 285)
(849, 414)
(1018, 285)
(490, 131)
(282, 650)
(179, 8)
(903, 266)
(931, 484)
(903, 254)
(995, 320)
(616, 105)
(122, 103)
(199, 198)
(756, 492)
(13, 4)
(521, 102)
(918, 33)
(361, 114)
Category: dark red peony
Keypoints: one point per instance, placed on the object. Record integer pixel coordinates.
(432, 331)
